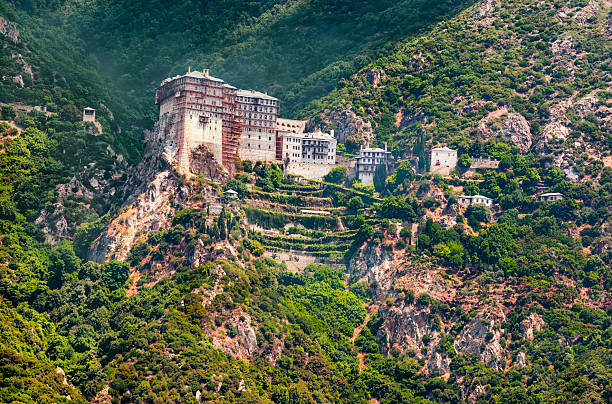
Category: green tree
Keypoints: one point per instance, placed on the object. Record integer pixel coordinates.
(355, 204)
(8, 113)
(237, 186)
(70, 113)
(115, 273)
(464, 162)
(337, 175)
(478, 212)
(380, 176)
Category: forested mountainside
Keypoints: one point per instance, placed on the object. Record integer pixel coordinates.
(533, 73)
(123, 281)
(296, 50)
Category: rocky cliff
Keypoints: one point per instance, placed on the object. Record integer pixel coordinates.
(154, 191)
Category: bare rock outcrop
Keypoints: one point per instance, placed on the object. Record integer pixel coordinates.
(481, 337)
(587, 12)
(375, 264)
(418, 63)
(54, 224)
(485, 8)
(151, 210)
(375, 76)
(562, 47)
(404, 327)
(512, 125)
(203, 162)
(103, 397)
(244, 343)
(517, 129)
(18, 80)
(9, 30)
(586, 105)
(521, 360)
(154, 191)
(348, 125)
(557, 126)
(25, 66)
(531, 323)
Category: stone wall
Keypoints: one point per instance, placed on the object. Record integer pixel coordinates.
(484, 163)
(309, 170)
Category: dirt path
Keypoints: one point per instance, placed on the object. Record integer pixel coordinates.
(371, 310)
(133, 289)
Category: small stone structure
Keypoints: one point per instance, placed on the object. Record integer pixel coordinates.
(467, 200)
(443, 160)
(550, 196)
(89, 115)
(484, 163)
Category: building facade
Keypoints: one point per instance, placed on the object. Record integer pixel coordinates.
(550, 197)
(235, 124)
(316, 147)
(443, 160)
(204, 109)
(259, 113)
(466, 200)
(368, 160)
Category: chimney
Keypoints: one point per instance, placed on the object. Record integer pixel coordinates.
(385, 146)
(206, 72)
(332, 133)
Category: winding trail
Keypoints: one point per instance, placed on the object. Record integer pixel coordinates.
(371, 310)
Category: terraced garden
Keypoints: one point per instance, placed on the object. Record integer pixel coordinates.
(300, 217)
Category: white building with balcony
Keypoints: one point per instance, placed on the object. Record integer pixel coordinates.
(370, 158)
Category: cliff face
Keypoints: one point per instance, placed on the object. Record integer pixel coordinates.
(154, 191)
(433, 313)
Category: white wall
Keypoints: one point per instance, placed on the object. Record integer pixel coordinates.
(311, 171)
(257, 146)
(443, 162)
(209, 134)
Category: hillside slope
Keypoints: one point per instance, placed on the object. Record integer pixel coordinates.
(296, 50)
(533, 74)
(397, 293)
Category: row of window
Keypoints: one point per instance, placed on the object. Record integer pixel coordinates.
(258, 123)
(371, 161)
(269, 137)
(256, 108)
(261, 101)
(259, 116)
(259, 146)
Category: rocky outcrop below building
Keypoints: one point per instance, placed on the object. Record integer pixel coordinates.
(481, 337)
(154, 191)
